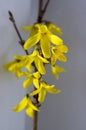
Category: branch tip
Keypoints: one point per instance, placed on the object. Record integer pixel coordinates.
(11, 16)
(10, 13)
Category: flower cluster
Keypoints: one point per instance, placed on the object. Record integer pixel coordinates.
(46, 48)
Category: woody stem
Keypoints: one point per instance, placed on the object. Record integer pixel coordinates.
(21, 42)
(41, 12)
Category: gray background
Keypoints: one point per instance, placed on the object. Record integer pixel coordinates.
(66, 111)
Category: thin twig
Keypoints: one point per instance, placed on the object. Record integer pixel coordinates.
(46, 5)
(21, 42)
(42, 10)
(40, 6)
(35, 120)
(45, 8)
(35, 117)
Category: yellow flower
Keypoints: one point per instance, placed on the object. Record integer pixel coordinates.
(36, 58)
(44, 36)
(26, 103)
(15, 67)
(53, 28)
(31, 78)
(33, 29)
(57, 53)
(43, 88)
(26, 61)
(38, 61)
(57, 69)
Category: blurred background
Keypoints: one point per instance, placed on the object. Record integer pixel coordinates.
(67, 110)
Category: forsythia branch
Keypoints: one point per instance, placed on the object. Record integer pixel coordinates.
(21, 42)
(47, 47)
(42, 10)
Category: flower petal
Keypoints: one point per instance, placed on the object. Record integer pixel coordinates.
(36, 75)
(54, 72)
(43, 28)
(56, 69)
(29, 63)
(56, 40)
(61, 57)
(53, 28)
(27, 82)
(18, 57)
(10, 66)
(21, 105)
(42, 95)
(29, 111)
(26, 28)
(36, 83)
(62, 48)
(35, 92)
(18, 73)
(52, 90)
(43, 59)
(56, 29)
(45, 46)
(39, 65)
(59, 69)
(33, 107)
(32, 41)
(29, 67)
(53, 59)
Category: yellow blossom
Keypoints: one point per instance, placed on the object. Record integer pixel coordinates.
(15, 67)
(26, 103)
(43, 89)
(31, 78)
(58, 53)
(36, 59)
(57, 69)
(27, 61)
(44, 36)
(33, 29)
(53, 28)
